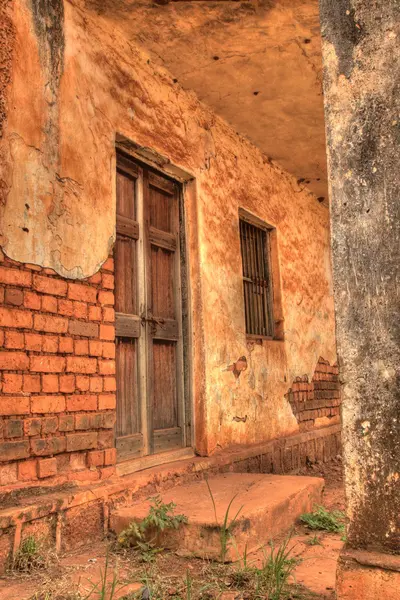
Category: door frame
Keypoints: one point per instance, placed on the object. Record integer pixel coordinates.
(184, 180)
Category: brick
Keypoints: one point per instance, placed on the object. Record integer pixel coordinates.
(49, 425)
(27, 470)
(108, 350)
(66, 345)
(47, 404)
(96, 384)
(81, 402)
(14, 297)
(110, 384)
(77, 461)
(14, 405)
(82, 383)
(107, 281)
(95, 458)
(1, 295)
(8, 474)
(108, 314)
(107, 332)
(106, 298)
(110, 456)
(107, 401)
(81, 347)
(32, 267)
(32, 301)
(48, 271)
(32, 427)
(49, 285)
(65, 307)
(105, 439)
(107, 420)
(80, 364)
(14, 339)
(12, 383)
(67, 383)
(49, 304)
(50, 383)
(50, 343)
(33, 341)
(13, 428)
(50, 324)
(83, 422)
(95, 348)
(12, 317)
(107, 367)
(14, 361)
(83, 328)
(81, 441)
(95, 279)
(84, 293)
(31, 383)
(108, 265)
(107, 472)
(94, 313)
(87, 475)
(47, 468)
(62, 462)
(14, 450)
(46, 446)
(80, 310)
(66, 423)
(47, 364)
(15, 277)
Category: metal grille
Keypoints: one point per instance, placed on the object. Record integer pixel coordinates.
(256, 280)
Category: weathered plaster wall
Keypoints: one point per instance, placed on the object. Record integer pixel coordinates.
(362, 75)
(81, 84)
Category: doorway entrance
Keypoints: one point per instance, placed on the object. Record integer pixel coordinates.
(151, 414)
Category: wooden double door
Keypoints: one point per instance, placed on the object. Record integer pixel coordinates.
(148, 300)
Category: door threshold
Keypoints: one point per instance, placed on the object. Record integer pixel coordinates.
(153, 460)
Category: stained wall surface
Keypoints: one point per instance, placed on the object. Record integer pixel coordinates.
(74, 84)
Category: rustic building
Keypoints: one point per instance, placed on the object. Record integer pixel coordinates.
(165, 278)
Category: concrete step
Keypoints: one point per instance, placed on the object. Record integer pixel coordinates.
(271, 505)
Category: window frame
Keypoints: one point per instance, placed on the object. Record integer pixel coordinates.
(271, 266)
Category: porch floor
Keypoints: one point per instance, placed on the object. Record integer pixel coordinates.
(267, 506)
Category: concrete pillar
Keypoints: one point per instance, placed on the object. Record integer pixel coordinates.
(361, 59)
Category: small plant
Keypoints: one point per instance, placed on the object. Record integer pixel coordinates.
(189, 585)
(29, 556)
(142, 535)
(314, 541)
(225, 530)
(324, 520)
(277, 568)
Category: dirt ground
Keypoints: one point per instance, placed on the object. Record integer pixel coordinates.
(172, 577)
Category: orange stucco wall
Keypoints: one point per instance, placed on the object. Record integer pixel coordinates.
(67, 98)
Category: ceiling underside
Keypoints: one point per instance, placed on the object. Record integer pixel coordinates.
(257, 63)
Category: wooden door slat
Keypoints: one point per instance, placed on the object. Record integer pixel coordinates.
(127, 227)
(162, 183)
(127, 326)
(163, 239)
(167, 439)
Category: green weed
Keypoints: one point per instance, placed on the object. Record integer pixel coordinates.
(225, 530)
(29, 557)
(275, 572)
(314, 541)
(324, 520)
(142, 535)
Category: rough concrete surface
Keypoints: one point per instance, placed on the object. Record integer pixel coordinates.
(361, 42)
(266, 506)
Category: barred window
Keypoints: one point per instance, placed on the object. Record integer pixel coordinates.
(257, 281)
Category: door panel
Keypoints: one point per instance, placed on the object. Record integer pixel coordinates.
(150, 386)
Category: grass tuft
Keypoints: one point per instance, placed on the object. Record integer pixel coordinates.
(324, 520)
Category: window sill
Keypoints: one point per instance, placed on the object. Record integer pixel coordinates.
(262, 338)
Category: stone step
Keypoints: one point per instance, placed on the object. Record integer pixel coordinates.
(271, 505)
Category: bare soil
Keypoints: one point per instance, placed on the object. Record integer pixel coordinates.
(168, 577)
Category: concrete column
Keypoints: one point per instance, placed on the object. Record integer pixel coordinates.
(361, 56)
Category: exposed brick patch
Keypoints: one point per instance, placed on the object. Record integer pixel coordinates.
(316, 402)
(57, 374)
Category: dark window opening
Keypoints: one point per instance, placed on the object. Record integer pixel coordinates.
(257, 280)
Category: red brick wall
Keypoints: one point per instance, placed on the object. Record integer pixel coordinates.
(317, 399)
(57, 374)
